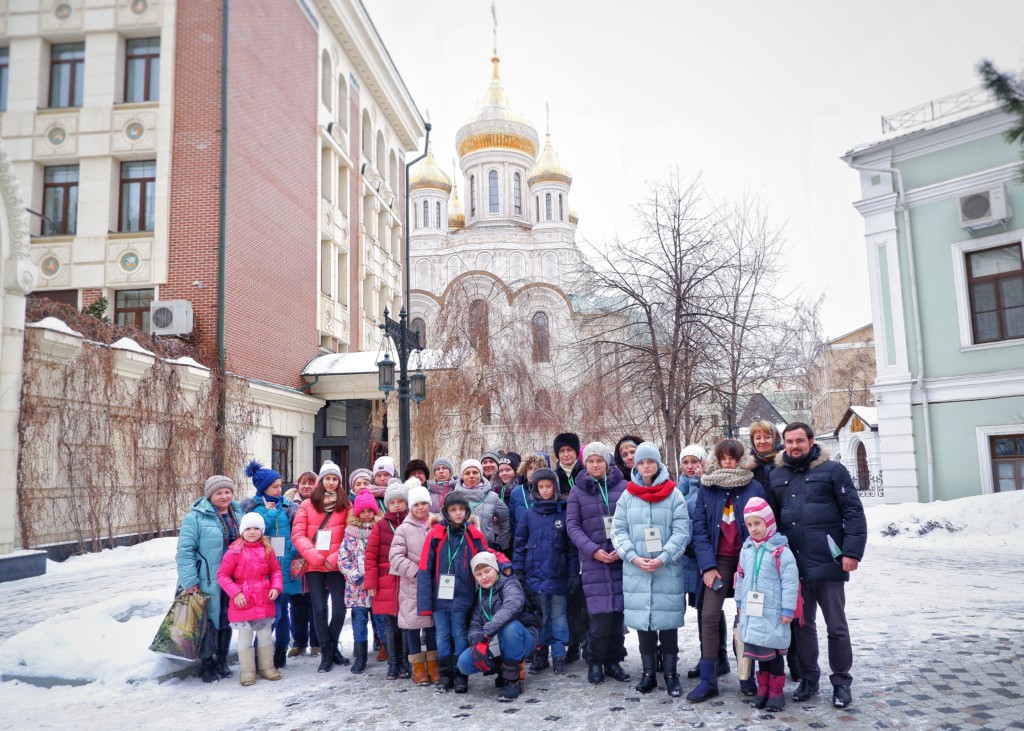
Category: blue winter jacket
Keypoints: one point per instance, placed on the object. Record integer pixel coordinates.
(278, 522)
(200, 551)
(813, 503)
(518, 503)
(779, 586)
(543, 549)
(653, 600)
(690, 486)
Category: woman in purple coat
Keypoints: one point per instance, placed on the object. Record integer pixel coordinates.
(588, 522)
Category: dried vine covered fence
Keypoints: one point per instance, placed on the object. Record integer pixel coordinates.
(115, 443)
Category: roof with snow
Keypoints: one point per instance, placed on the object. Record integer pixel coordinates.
(868, 416)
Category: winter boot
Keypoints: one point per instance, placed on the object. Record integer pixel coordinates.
(762, 690)
(419, 668)
(805, 691)
(296, 651)
(572, 653)
(707, 688)
(382, 652)
(359, 657)
(668, 662)
(247, 665)
(432, 672)
(748, 686)
(461, 682)
(776, 693)
(615, 671)
(223, 643)
(446, 674)
(540, 660)
(595, 675)
(558, 665)
(406, 672)
(338, 658)
(208, 670)
(649, 678)
(266, 660)
(392, 640)
(657, 654)
(280, 657)
(515, 680)
(314, 651)
(694, 672)
(326, 662)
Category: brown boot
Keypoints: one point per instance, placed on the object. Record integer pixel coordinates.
(382, 654)
(419, 668)
(432, 671)
(265, 655)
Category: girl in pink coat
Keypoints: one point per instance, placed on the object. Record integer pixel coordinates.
(250, 574)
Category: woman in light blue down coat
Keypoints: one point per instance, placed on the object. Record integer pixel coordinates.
(652, 580)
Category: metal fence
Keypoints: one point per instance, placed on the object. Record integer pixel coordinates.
(872, 487)
(937, 109)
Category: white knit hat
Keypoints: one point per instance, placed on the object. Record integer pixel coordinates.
(329, 468)
(693, 450)
(384, 463)
(396, 491)
(417, 495)
(597, 449)
(252, 520)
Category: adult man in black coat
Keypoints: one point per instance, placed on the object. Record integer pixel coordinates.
(815, 501)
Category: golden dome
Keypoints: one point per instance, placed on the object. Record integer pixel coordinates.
(428, 174)
(496, 124)
(456, 213)
(574, 217)
(548, 168)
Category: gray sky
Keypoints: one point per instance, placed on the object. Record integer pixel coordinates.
(757, 97)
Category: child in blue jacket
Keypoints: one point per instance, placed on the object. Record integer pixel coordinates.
(767, 587)
(548, 565)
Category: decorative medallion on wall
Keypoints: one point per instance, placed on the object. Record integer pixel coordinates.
(135, 13)
(62, 11)
(60, 16)
(129, 261)
(53, 262)
(56, 136)
(328, 317)
(138, 6)
(134, 131)
(50, 267)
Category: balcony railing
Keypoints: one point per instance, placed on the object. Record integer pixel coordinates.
(947, 106)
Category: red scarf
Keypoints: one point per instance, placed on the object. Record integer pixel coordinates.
(651, 494)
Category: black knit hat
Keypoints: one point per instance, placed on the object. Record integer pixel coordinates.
(456, 497)
(512, 459)
(416, 465)
(567, 439)
(543, 473)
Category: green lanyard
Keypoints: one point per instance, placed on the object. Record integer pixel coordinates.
(451, 556)
(380, 504)
(525, 498)
(602, 486)
(758, 559)
(490, 603)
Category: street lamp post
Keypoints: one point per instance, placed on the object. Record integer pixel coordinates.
(405, 339)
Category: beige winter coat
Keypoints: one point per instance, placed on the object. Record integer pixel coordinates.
(406, 548)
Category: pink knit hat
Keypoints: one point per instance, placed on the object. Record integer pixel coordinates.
(757, 507)
(365, 501)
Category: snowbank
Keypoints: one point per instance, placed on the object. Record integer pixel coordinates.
(158, 549)
(980, 521)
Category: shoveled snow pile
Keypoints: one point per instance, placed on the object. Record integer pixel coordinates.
(986, 521)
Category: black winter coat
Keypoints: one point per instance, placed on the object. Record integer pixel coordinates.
(813, 503)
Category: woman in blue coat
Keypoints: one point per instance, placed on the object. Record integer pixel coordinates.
(206, 532)
(650, 531)
(718, 535)
(277, 513)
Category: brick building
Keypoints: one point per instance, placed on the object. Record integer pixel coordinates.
(138, 180)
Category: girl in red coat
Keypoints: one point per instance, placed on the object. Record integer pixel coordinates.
(251, 575)
(317, 530)
(381, 584)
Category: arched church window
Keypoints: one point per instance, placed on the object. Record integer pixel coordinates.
(536, 206)
(492, 191)
(561, 209)
(437, 210)
(541, 338)
(472, 195)
(517, 193)
(419, 326)
(426, 214)
(326, 79)
(547, 207)
(479, 329)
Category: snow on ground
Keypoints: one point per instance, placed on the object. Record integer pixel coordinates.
(929, 569)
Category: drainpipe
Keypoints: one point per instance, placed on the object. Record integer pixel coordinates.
(908, 238)
(221, 239)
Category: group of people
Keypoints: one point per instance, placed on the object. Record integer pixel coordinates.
(513, 559)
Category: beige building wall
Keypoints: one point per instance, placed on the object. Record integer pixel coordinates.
(843, 373)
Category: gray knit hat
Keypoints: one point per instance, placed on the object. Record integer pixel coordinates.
(597, 449)
(397, 491)
(442, 461)
(217, 482)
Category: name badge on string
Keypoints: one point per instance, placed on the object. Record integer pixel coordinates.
(494, 647)
(277, 543)
(608, 526)
(753, 605)
(446, 586)
(323, 540)
(652, 536)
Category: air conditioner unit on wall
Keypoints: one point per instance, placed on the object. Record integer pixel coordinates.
(170, 317)
(983, 208)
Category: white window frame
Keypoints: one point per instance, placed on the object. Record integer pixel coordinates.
(960, 251)
(983, 433)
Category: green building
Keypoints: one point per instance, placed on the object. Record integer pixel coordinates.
(943, 215)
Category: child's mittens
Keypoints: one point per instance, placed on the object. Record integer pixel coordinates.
(481, 655)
